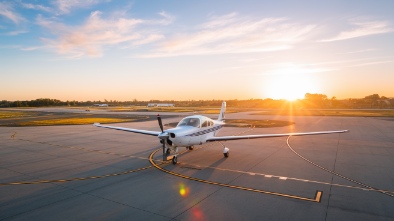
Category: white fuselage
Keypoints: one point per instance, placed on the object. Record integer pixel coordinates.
(193, 130)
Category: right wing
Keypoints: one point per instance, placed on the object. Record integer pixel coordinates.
(146, 132)
(224, 138)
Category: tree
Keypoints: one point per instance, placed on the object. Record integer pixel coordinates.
(372, 100)
(316, 100)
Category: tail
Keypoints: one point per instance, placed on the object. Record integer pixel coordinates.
(222, 111)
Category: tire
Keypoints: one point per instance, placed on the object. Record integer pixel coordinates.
(175, 160)
(226, 154)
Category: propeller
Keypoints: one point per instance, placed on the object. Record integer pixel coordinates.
(160, 123)
(163, 136)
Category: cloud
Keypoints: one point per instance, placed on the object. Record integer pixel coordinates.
(232, 33)
(89, 38)
(349, 63)
(372, 63)
(220, 21)
(65, 6)
(362, 28)
(29, 48)
(148, 39)
(6, 10)
(17, 32)
(360, 51)
(36, 7)
(167, 18)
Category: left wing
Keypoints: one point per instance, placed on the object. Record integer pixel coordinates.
(147, 132)
(224, 138)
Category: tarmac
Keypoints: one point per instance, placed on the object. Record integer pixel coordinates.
(90, 173)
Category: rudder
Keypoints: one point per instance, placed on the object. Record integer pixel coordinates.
(222, 111)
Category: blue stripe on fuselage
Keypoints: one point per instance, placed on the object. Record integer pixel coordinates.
(205, 131)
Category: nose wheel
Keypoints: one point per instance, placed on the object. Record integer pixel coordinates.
(175, 160)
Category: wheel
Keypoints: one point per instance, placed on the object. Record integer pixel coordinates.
(175, 160)
(190, 148)
(226, 152)
(168, 152)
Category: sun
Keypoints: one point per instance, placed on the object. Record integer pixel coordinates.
(290, 83)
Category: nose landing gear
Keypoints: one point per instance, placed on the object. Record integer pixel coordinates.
(175, 160)
(172, 152)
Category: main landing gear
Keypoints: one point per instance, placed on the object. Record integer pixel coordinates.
(174, 152)
(226, 152)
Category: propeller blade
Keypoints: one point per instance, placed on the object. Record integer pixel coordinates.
(160, 123)
(163, 138)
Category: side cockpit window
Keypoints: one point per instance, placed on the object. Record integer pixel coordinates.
(194, 122)
(207, 123)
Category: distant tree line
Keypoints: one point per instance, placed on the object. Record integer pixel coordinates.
(373, 101)
(42, 102)
(309, 101)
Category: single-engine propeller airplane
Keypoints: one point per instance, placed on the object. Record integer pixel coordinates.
(197, 130)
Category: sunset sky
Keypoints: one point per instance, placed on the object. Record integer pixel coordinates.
(124, 50)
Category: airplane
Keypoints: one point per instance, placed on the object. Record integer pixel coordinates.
(197, 130)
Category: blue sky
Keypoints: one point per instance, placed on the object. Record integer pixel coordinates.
(125, 50)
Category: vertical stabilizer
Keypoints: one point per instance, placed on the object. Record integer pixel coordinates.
(222, 111)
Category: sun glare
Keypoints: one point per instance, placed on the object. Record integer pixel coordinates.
(290, 83)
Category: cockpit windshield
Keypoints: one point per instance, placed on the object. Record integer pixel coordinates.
(194, 122)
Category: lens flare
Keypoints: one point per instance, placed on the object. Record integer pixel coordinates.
(183, 190)
(197, 214)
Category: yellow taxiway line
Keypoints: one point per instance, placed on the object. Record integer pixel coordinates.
(316, 199)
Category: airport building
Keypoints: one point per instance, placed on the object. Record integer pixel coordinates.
(160, 105)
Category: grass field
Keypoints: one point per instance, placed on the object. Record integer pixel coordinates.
(339, 113)
(72, 121)
(150, 109)
(41, 118)
(12, 114)
(199, 110)
(37, 118)
(257, 123)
